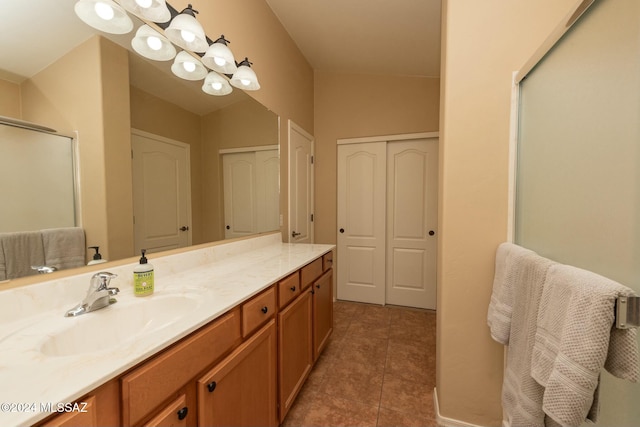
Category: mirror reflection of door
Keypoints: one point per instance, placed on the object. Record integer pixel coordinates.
(161, 193)
(301, 174)
(251, 191)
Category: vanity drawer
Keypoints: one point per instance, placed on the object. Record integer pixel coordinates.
(327, 261)
(148, 386)
(288, 289)
(310, 272)
(258, 310)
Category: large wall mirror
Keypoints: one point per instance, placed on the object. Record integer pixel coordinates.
(58, 72)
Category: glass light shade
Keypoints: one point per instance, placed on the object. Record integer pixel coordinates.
(185, 31)
(153, 45)
(220, 58)
(215, 84)
(245, 78)
(151, 10)
(187, 67)
(104, 15)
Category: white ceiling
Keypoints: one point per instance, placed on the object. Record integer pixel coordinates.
(397, 37)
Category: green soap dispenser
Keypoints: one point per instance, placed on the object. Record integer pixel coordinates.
(143, 277)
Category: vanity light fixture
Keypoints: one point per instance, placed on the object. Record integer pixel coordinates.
(187, 67)
(245, 78)
(181, 29)
(104, 15)
(219, 57)
(153, 45)
(185, 31)
(151, 10)
(215, 84)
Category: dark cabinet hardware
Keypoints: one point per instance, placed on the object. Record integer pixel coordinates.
(265, 309)
(431, 232)
(182, 413)
(211, 386)
(342, 230)
(184, 228)
(293, 289)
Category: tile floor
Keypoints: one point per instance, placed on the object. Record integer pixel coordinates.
(377, 370)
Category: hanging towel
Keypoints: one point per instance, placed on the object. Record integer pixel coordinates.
(517, 288)
(64, 247)
(574, 341)
(21, 251)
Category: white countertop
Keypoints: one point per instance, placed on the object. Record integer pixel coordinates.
(208, 281)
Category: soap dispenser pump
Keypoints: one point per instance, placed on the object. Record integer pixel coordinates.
(143, 277)
(97, 258)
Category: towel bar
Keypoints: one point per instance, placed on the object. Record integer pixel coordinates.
(627, 312)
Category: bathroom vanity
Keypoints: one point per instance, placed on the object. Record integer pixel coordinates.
(228, 338)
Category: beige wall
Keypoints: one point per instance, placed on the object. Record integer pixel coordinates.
(483, 43)
(347, 106)
(286, 78)
(10, 99)
(69, 96)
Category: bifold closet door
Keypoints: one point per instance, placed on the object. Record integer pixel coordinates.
(361, 222)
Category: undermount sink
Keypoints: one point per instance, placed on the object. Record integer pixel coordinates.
(112, 326)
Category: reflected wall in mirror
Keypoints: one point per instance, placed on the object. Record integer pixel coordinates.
(100, 91)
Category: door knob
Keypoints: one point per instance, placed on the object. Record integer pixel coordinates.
(184, 228)
(228, 227)
(342, 230)
(431, 232)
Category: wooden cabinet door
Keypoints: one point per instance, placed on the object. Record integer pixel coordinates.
(295, 349)
(85, 418)
(174, 415)
(322, 312)
(241, 390)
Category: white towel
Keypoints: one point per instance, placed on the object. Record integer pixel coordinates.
(517, 288)
(21, 251)
(64, 247)
(574, 341)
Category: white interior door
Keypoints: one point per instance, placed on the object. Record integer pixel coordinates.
(412, 217)
(300, 185)
(251, 192)
(361, 222)
(161, 193)
(239, 170)
(268, 190)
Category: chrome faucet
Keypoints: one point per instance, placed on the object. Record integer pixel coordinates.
(98, 296)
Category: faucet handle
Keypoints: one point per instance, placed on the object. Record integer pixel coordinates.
(101, 280)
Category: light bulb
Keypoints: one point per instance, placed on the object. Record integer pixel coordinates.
(216, 85)
(188, 36)
(154, 43)
(245, 82)
(104, 11)
(144, 3)
(189, 66)
(219, 61)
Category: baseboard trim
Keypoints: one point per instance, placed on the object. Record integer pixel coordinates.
(444, 421)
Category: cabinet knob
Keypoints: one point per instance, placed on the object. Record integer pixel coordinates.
(265, 309)
(318, 286)
(211, 386)
(293, 289)
(182, 413)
